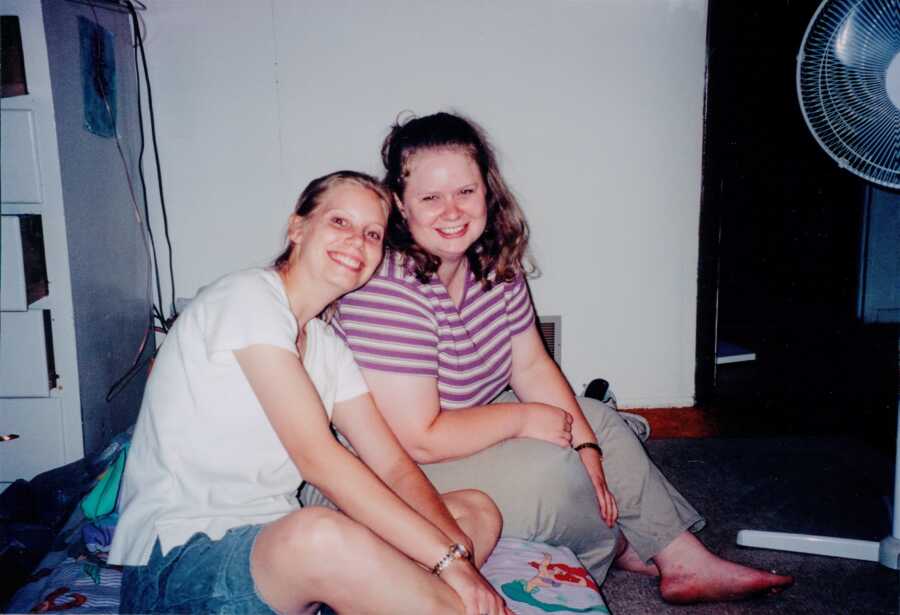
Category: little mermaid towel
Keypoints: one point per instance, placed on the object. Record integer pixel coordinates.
(535, 579)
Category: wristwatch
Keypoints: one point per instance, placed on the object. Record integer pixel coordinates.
(455, 552)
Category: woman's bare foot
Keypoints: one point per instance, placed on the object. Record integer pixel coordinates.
(690, 573)
(629, 560)
(722, 584)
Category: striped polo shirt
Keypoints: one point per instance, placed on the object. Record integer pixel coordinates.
(397, 324)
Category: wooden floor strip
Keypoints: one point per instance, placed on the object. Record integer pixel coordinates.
(689, 422)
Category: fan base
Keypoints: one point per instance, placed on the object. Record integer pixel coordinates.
(887, 552)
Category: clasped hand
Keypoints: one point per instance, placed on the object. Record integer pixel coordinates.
(548, 423)
(477, 595)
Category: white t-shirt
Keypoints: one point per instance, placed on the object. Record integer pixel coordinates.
(204, 457)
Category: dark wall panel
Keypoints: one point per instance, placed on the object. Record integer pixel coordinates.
(107, 258)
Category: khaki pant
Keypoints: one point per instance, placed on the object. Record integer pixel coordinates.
(545, 494)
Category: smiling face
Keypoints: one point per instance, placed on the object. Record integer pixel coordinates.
(444, 202)
(340, 242)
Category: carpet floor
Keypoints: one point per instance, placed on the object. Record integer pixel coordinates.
(824, 485)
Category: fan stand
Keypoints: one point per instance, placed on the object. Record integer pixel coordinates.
(886, 552)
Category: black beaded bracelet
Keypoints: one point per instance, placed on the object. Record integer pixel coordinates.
(592, 445)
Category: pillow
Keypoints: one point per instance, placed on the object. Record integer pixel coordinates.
(536, 578)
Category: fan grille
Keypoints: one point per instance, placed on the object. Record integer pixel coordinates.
(842, 84)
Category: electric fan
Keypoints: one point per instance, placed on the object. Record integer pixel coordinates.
(848, 84)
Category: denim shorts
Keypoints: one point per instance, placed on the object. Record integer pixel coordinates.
(201, 576)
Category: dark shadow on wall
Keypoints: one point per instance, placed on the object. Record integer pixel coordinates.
(780, 225)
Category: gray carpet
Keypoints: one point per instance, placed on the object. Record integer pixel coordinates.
(832, 486)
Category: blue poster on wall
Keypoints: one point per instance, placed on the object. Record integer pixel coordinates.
(98, 77)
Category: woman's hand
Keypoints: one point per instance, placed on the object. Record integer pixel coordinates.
(477, 595)
(546, 422)
(593, 463)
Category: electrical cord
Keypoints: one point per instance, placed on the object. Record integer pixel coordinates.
(131, 371)
(137, 365)
(137, 73)
(162, 200)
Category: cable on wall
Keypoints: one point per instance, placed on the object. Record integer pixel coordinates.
(140, 111)
(162, 200)
(129, 374)
(157, 313)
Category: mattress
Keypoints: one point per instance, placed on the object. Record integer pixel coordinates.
(74, 577)
(534, 578)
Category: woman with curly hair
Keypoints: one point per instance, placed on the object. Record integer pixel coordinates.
(446, 326)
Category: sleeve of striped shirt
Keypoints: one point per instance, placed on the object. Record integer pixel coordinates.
(519, 311)
(389, 327)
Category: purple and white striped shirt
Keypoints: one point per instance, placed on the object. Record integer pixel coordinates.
(397, 324)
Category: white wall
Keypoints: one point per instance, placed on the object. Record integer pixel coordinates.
(595, 107)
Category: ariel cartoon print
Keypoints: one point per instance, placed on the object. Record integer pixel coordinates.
(539, 578)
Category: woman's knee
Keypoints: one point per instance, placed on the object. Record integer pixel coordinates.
(623, 452)
(600, 415)
(566, 511)
(319, 535)
(477, 507)
(555, 496)
(565, 476)
(308, 556)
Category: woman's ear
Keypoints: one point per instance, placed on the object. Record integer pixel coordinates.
(399, 205)
(295, 228)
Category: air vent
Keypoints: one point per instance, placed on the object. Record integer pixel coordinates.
(551, 331)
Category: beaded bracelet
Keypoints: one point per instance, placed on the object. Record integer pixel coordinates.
(456, 551)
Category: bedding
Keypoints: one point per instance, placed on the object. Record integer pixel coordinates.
(533, 578)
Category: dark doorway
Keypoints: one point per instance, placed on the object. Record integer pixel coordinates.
(779, 247)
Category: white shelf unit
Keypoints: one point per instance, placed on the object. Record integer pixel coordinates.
(61, 353)
(47, 420)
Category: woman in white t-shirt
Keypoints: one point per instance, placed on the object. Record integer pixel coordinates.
(237, 411)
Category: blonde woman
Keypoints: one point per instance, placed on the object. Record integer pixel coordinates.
(237, 411)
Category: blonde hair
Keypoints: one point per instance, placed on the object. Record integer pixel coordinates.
(311, 197)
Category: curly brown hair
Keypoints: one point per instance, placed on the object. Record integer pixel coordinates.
(498, 255)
